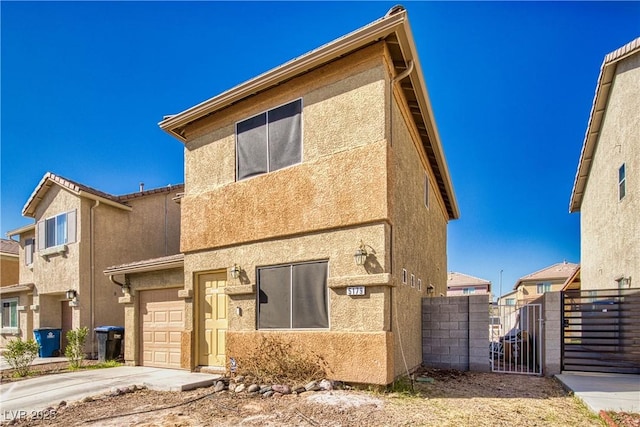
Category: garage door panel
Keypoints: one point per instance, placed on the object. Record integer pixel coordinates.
(161, 328)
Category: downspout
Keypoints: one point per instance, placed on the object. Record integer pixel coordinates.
(166, 244)
(92, 281)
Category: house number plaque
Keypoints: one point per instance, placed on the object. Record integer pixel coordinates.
(355, 290)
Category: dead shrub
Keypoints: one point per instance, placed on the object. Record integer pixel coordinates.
(279, 361)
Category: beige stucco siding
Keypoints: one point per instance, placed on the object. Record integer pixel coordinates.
(9, 269)
(58, 273)
(339, 182)
(26, 271)
(419, 237)
(610, 228)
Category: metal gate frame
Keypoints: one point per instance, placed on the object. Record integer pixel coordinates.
(515, 344)
(600, 330)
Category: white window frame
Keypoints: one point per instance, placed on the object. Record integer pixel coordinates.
(4, 327)
(404, 276)
(413, 280)
(468, 291)
(545, 286)
(267, 130)
(510, 301)
(29, 251)
(419, 284)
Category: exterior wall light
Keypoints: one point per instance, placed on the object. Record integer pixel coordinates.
(361, 254)
(430, 288)
(235, 271)
(71, 294)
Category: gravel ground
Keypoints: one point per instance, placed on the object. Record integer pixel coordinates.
(450, 398)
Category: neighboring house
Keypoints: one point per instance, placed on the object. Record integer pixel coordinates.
(462, 284)
(78, 232)
(550, 279)
(606, 190)
(509, 298)
(316, 204)
(9, 265)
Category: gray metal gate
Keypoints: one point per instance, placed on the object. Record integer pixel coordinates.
(516, 334)
(601, 330)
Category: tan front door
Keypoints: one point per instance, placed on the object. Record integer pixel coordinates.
(212, 319)
(161, 326)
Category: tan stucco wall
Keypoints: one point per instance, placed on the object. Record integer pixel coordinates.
(419, 237)
(9, 269)
(25, 320)
(352, 357)
(610, 229)
(26, 271)
(342, 169)
(162, 279)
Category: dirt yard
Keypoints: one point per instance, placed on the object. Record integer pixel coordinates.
(449, 398)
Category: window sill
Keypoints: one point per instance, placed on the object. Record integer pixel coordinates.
(10, 331)
(53, 250)
(240, 290)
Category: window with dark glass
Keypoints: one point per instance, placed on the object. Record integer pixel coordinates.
(622, 179)
(269, 141)
(293, 296)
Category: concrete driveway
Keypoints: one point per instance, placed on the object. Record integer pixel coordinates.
(599, 391)
(27, 397)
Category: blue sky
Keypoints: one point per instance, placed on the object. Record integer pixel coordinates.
(85, 84)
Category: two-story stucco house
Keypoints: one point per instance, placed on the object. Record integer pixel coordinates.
(606, 187)
(554, 278)
(78, 232)
(463, 284)
(316, 204)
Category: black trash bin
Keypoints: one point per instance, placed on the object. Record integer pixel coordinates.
(109, 342)
(49, 341)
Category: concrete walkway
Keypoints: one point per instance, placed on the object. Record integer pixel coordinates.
(38, 361)
(21, 398)
(616, 392)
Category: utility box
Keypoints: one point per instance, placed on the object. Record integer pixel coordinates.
(109, 342)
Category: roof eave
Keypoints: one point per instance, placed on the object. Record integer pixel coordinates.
(600, 100)
(374, 31)
(21, 230)
(153, 265)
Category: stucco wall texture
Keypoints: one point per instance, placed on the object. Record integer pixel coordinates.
(9, 270)
(362, 178)
(610, 228)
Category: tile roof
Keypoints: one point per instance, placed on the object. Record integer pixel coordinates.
(596, 117)
(153, 264)
(561, 270)
(9, 246)
(50, 179)
(458, 279)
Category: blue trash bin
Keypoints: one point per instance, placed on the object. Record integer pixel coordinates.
(109, 342)
(49, 341)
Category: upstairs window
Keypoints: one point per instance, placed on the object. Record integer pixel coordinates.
(510, 301)
(29, 249)
(269, 141)
(468, 291)
(426, 190)
(543, 287)
(622, 179)
(293, 296)
(57, 230)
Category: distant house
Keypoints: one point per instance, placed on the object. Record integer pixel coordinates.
(550, 279)
(462, 284)
(78, 232)
(315, 212)
(606, 190)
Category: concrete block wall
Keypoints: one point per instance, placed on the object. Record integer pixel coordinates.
(455, 332)
(552, 333)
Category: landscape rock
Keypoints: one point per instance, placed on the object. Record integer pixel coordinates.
(253, 388)
(312, 386)
(239, 378)
(281, 388)
(325, 385)
(219, 387)
(269, 393)
(264, 389)
(232, 387)
(240, 388)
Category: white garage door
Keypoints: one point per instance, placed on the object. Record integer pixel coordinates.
(161, 325)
